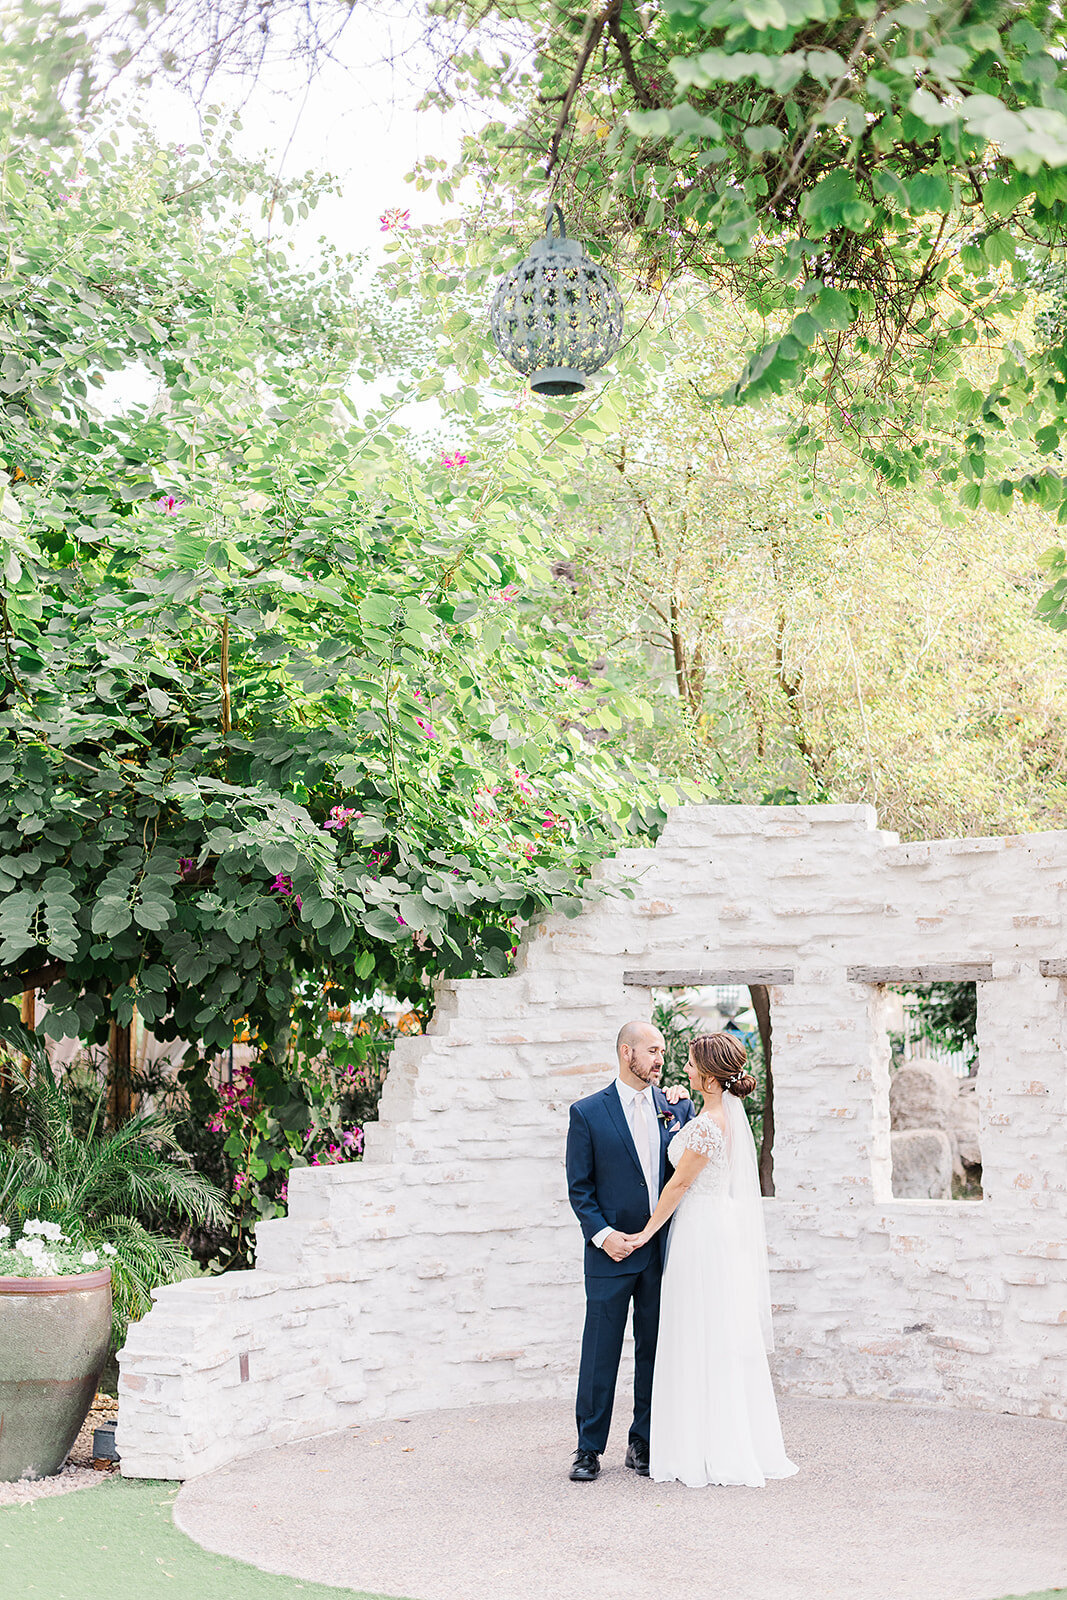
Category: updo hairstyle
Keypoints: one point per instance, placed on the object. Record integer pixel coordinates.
(720, 1056)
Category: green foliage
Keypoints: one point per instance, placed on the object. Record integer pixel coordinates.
(102, 1188)
(881, 187)
(281, 701)
(308, 1109)
(947, 1015)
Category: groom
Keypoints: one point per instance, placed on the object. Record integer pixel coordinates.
(616, 1167)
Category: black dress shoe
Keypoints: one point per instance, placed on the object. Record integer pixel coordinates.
(586, 1466)
(637, 1457)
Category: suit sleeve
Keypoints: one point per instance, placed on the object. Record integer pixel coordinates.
(581, 1184)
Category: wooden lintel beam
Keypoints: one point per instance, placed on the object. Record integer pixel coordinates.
(931, 972)
(1054, 968)
(742, 977)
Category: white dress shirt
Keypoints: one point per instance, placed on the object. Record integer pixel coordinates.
(640, 1112)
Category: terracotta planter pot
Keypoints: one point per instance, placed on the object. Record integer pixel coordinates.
(54, 1337)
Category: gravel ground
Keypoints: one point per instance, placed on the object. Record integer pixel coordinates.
(892, 1502)
(77, 1472)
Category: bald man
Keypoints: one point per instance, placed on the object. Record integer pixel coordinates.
(616, 1166)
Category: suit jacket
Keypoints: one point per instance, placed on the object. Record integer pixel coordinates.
(604, 1179)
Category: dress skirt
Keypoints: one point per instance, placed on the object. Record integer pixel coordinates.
(714, 1416)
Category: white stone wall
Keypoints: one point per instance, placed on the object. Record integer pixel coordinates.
(446, 1268)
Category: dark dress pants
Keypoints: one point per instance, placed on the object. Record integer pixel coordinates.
(607, 1306)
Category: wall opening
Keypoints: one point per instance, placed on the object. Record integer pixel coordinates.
(933, 1109)
(680, 1013)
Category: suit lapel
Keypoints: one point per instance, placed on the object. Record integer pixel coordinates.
(622, 1127)
(661, 1103)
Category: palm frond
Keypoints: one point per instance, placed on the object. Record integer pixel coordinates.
(106, 1187)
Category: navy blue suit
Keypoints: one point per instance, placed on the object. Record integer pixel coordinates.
(608, 1190)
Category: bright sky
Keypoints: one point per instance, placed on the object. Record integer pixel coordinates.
(357, 120)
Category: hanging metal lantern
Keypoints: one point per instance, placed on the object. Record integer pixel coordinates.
(557, 316)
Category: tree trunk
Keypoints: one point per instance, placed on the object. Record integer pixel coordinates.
(28, 1016)
(118, 1082)
(761, 1005)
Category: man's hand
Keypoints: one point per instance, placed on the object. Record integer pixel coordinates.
(675, 1093)
(617, 1246)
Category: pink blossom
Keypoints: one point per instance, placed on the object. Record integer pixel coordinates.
(339, 818)
(426, 727)
(169, 505)
(419, 696)
(394, 220)
(453, 459)
(185, 865)
(283, 884)
(506, 596)
(297, 901)
(522, 783)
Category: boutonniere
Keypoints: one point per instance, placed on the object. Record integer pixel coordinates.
(668, 1118)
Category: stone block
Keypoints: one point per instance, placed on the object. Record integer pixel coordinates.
(922, 1164)
(963, 1127)
(921, 1095)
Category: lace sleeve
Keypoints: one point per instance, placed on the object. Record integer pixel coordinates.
(703, 1136)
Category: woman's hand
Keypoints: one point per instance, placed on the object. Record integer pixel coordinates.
(636, 1240)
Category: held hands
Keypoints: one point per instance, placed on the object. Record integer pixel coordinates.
(620, 1245)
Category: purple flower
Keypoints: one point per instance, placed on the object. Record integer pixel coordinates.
(394, 220)
(283, 884)
(339, 818)
(453, 459)
(185, 865)
(169, 505)
(426, 727)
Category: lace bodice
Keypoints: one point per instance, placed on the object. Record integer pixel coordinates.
(703, 1135)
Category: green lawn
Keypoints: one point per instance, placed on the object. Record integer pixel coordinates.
(118, 1542)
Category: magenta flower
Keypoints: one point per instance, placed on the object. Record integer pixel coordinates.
(522, 783)
(506, 596)
(394, 220)
(426, 728)
(169, 505)
(283, 884)
(339, 818)
(185, 865)
(401, 923)
(298, 903)
(453, 459)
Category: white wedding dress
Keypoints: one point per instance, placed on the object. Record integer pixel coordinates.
(714, 1417)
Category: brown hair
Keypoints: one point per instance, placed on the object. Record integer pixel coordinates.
(722, 1057)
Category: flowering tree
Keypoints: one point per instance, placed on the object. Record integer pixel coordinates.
(283, 704)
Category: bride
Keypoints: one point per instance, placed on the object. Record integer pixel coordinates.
(714, 1418)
